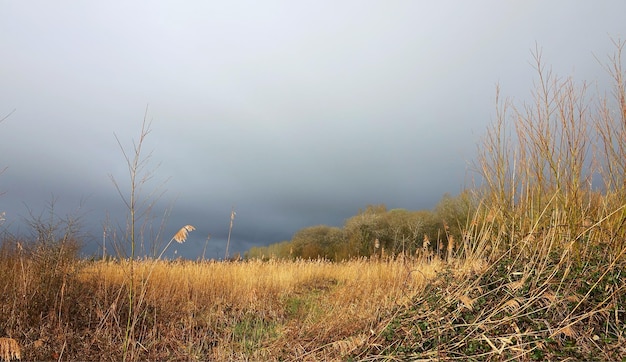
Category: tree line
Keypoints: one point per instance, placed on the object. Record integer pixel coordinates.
(376, 230)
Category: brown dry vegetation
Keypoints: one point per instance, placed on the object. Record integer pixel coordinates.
(217, 310)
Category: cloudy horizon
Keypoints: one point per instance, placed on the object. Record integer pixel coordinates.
(294, 113)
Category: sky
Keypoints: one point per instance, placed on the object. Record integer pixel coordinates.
(294, 113)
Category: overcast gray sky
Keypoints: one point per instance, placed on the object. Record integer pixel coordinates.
(298, 113)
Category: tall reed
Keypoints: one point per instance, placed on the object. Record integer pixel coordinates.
(558, 160)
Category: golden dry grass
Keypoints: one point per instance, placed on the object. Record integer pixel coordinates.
(262, 310)
(532, 302)
(9, 349)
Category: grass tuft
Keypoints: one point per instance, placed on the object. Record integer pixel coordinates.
(9, 349)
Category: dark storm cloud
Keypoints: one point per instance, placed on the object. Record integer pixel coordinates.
(295, 113)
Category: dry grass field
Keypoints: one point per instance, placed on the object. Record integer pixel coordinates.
(258, 310)
(546, 301)
(263, 310)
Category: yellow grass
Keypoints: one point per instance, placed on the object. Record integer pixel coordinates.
(295, 306)
(9, 349)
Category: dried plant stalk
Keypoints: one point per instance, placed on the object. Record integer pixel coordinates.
(450, 246)
(180, 237)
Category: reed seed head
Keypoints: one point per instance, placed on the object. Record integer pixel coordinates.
(181, 235)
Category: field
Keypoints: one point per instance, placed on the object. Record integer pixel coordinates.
(260, 310)
(548, 302)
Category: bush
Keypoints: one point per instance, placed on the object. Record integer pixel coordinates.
(39, 274)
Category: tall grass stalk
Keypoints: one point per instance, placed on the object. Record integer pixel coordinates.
(136, 163)
(4, 168)
(180, 237)
(557, 159)
(230, 229)
(553, 212)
